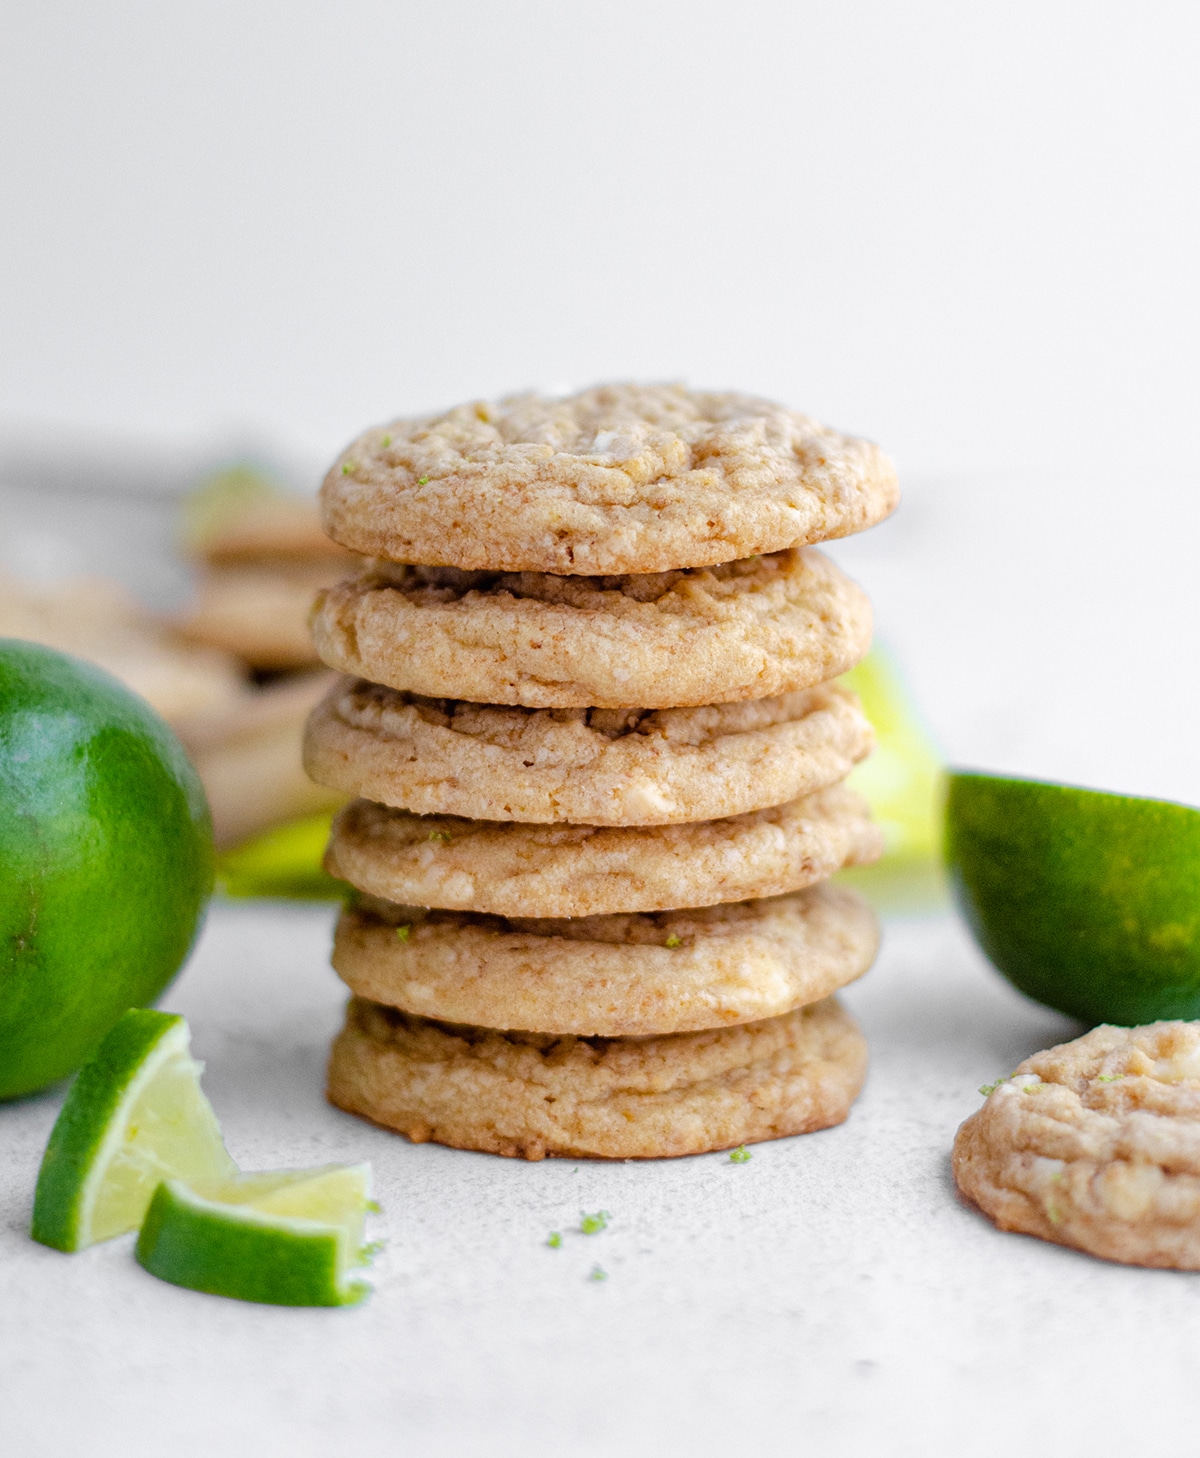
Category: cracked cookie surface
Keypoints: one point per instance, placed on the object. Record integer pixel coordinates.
(612, 976)
(621, 478)
(749, 629)
(582, 766)
(535, 1094)
(510, 869)
(1096, 1144)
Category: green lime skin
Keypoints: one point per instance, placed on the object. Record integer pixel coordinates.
(83, 1121)
(1087, 902)
(106, 850)
(236, 1257)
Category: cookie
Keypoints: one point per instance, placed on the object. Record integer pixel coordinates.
(534, 1094)
(612, 976)
(1096, 1144)
(260, 614)
(248, 759)
(623, 478)
(586, 766)
(262, 528)
(744, 630)
(510, 869)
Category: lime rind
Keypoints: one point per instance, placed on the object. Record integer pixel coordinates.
(111, 1145)
(245, 1238)
(284, 862)
(1086, 901)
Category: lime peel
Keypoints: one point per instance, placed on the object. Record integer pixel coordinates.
(135, 1113)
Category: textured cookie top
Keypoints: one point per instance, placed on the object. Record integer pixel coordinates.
(1096, 1144)
(621, 478)
(588, 766)
(741, 630)
(615, 976)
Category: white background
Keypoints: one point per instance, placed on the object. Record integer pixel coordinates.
(967, 230)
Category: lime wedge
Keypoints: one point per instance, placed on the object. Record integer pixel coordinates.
(134, 1116)
(1086, 901)
(285, 1237)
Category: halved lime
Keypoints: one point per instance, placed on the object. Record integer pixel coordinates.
(134, 1116)
(1088, 902)
(286, 1237)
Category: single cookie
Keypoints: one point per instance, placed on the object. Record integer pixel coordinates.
(744, 630)
(510, 869)
(582, 766)
(623, 478)
(259, 613)
(534, 1094)
(613, 976)
(1096, 1144)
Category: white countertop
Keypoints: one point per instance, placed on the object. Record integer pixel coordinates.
(831, 1295)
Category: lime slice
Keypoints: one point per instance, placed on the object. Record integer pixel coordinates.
(134, 1116)
(286, 1237)
(284, 861)
(1086, 901)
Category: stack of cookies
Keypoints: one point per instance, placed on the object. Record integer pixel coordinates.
(596, 751)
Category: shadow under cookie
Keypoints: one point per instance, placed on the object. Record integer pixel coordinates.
(529, 1094)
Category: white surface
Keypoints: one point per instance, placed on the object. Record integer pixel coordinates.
(830, 1296)
(968, 231)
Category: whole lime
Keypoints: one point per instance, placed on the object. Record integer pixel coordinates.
(1086, 901)
(106, 850)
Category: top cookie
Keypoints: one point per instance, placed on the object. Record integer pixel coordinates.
(617, 479)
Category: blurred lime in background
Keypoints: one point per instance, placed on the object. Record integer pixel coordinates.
(903, 780)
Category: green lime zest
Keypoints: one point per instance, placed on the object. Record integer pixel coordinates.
(597, 1273)
(987, 1089)
(673, 942)
(403, 933)
(386, 441)
(593, 1224)
(442, 835)
(422, 480)
(554, 1240)
(1109, 1077)
(347, 467)
(740, 1155)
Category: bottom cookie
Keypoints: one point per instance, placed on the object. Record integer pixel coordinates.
(534, 1094)
(1096, 1144)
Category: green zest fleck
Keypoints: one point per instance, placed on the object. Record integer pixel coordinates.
(386, 441)
(1109, 1077)
(554, 1239)
(439, 835)
(403, 933)
(422, 480)
(593, 1224)
(673, 941)
(597, 1273)
(1053, 1214)
(347, 467)
(740, 1155)
(990, 1088)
